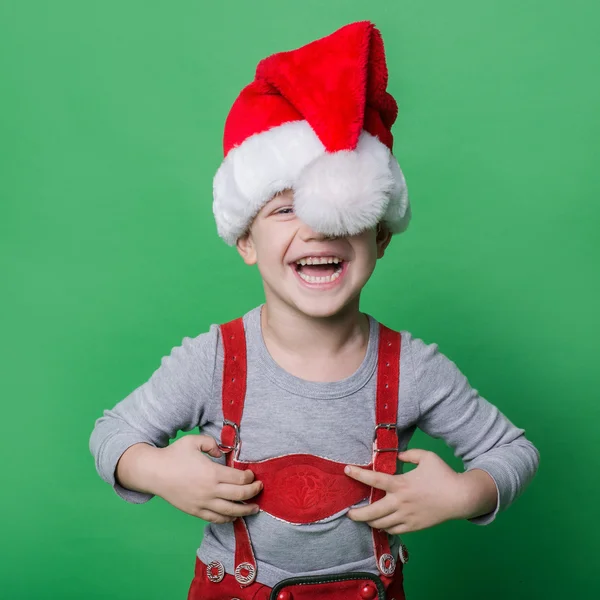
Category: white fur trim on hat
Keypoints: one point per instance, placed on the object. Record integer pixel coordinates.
(339, 193)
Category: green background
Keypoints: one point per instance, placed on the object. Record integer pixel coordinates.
(111, 118)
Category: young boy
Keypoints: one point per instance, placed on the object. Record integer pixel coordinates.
(306, 384)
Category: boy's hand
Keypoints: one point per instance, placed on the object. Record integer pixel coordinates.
(201, 487)
(426, 496)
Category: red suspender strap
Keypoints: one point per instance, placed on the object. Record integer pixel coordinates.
(234, 394)
(234, 385)
(385, 445)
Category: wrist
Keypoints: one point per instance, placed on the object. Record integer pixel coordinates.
(138, 469)
(479, 494)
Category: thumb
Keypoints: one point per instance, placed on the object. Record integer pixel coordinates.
(414, 455)
(208, 444)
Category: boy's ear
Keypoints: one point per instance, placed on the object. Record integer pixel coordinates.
(383, 238)
(245, 246)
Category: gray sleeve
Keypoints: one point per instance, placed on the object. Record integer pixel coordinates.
(480, 435)
(176, 398)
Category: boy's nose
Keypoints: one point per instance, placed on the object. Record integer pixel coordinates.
(307, 233)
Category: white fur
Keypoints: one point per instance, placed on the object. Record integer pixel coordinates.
(339, 193)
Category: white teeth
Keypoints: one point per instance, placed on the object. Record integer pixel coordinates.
(327, 279)
(319, 260)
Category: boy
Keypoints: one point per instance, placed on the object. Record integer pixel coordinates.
(306, 384)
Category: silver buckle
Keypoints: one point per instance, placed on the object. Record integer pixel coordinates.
(224, 447)
(384, 426)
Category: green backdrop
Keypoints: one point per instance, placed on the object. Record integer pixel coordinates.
(111, 118)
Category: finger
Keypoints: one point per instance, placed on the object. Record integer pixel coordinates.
(208, 444)
(382, 481)
(414, 455)
(230, 491)
(386, 522)
(213, 517)
(400, 529)
(376, 510)
(235, 476)
(232, 509)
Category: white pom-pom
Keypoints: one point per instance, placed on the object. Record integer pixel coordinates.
(344, 193)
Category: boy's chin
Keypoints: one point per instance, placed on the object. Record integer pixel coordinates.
(322, 308)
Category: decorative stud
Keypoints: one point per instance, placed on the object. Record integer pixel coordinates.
(403, 554)
(387, 564)
(368, 591)
(245, 573)
(284, 595)
(215, 571)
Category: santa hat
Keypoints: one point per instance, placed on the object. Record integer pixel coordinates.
(316, 119)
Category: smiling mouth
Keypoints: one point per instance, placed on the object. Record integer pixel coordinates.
(319, 270)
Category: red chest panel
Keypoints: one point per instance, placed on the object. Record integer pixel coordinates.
(304, 488)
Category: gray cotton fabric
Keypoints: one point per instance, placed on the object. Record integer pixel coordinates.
(285, 414)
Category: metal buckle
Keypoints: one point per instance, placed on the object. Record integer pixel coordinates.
(224, 447)
(384, 426)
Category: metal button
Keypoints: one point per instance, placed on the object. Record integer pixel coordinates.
(245, 573)
(403, 554)
(387, 564)
(215, 571)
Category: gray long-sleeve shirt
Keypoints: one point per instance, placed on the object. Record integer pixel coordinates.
(285, 414)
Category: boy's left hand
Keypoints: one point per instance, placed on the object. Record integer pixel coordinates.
(426, 496)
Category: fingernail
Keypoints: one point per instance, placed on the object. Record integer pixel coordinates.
(255, 510)
(347, 469)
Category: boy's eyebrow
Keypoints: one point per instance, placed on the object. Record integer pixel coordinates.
(280, 196)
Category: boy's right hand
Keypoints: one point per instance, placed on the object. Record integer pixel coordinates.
(195, 484)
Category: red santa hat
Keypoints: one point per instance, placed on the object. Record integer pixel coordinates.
(316, 119)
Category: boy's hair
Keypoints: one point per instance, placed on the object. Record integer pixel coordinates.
(318, 120)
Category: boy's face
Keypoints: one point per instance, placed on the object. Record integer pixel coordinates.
(284, 247)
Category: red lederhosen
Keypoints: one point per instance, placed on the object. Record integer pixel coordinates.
(304, 488)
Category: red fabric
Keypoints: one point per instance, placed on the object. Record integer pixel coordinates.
(202, 588)
(233, 397)
(243, 548)
(336, 83)
(388, 379)
(234, 380)
(386, 412)
(302, 488)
